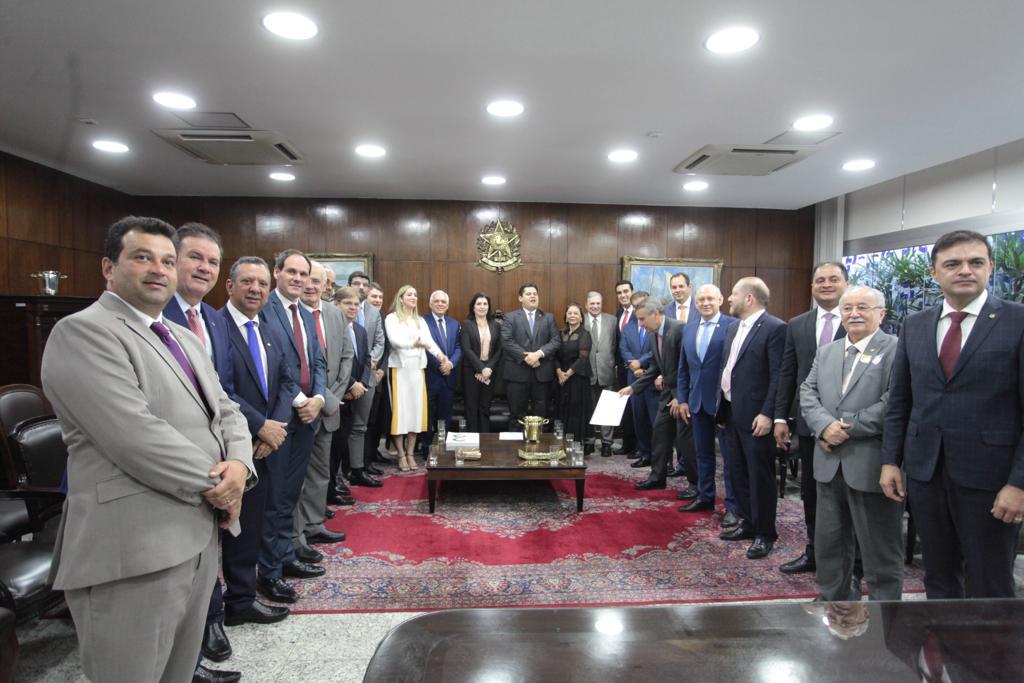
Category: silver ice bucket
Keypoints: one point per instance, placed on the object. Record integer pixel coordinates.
(49, 281)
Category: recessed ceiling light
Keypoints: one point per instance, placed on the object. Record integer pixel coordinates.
(493, 180)
(730, 40)
(290, 25)
(174, 100)
(622, 156)
(282, 177)
(695, 186)
(112, 146)
(505, 108)
(813, 122)
(372, 151)
(858, 165)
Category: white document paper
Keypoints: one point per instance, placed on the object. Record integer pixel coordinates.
(608, 412)
(462, 440)
(510, 436)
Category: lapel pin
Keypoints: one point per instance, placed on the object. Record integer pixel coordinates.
(992, 316)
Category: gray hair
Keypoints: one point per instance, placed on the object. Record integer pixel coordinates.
(246, 261)
(711, 287)
(591, 295)
(862, 289)
(648, 307)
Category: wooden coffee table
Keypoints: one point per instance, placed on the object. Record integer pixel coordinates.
(500, 461)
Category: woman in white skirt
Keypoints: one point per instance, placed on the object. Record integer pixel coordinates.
(410, 342)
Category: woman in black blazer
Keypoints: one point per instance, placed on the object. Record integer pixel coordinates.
(479, 361)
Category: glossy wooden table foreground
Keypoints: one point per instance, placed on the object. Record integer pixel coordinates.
(976, 640)
(500, 461)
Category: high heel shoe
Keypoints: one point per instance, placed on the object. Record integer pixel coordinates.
(411, 460)
(402, 464)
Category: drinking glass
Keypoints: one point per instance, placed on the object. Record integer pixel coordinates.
(442, 430)
(559, 430)
(554, 455)
(462, 424)
(460, 459)
(432, 458)
(569, 437)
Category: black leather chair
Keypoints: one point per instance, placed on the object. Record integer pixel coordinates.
(18, 403)
(8, 645)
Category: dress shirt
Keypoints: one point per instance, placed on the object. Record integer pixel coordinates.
(287, 303)
(240, 320)
(143, 318)
(746, 325)
(531, 322)
(861, 345)
(706, 327)
(972, 310)
(683, 311)
(199, 316)
(323, 327)
(443, 329)
(819, 323)
(627, 314)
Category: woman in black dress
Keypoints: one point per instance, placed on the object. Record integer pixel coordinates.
(481, 354)
(573, 373)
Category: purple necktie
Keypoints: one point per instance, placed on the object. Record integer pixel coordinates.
(172, 345)
(827, 331)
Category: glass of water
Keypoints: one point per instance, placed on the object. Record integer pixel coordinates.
(559, 430)
(460, 458)
(442, 430)
(462, 424)
(554, 455)
(432, 457)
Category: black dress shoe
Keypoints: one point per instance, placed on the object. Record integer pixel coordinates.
(606, 451)
(802, 564)
(303, 570)
(204, 675)
(326, 536)
(304, 554)
(216, 646)
(740, 532)
(329, 513)
(256, 613)
(759, 548)
(624, 450)
(677, 473)
(361, 478)
(641, 463)
(649, 484)
(338, 498)
(368, 468)
(276, 589)
(697, 505)
(689, 493)
(342, 488)
(729, 520)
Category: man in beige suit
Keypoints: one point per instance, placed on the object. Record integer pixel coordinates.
(158, 454)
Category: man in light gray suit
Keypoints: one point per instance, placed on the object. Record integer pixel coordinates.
(330, 331)
(603, 348)
(369, 317)
(158, 456)
(843, 401)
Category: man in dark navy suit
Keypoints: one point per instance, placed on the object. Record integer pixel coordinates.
(698, 390)
(955, 424)
(806, 332)
(623, 315)
(530, 343)
(441, 377)
(636, 352)
(263, 390)
(750, 380)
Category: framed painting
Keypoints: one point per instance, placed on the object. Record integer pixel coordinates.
(345, 264)
(653, 274)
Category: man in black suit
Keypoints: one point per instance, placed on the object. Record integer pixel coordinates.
(623, 315)
(661, 373)
(955, 423)
(750, 381)
(529, 342)
(806, 332)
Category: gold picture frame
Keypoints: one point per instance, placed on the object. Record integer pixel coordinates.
(652, 274)
(345, 264)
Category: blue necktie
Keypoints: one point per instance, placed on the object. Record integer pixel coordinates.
(529, 317)
(643, 337)
(702, 341)
(361, 317)
(257, 357)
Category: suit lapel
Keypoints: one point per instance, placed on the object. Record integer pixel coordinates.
(283, 317)
(930, 350)
(987, 318)
(242, 346)
(161, 349)
(753, 332)
(859, 368)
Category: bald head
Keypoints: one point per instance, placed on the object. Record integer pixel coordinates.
(749, 295)
(315, 285)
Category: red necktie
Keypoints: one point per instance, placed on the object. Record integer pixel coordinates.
(320, 333)
(304, 382)
(949, 352)
(196, 326)
(623, 320)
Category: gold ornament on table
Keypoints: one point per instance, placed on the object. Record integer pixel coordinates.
(498, 247)
(532, 425)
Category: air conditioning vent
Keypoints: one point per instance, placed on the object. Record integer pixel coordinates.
(742, 159)
(225, 148)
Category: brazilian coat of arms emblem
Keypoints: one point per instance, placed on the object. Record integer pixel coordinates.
(498, 247)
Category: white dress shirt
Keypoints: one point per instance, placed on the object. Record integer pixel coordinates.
(287, 303)
(199, 316)
(861, 346)
(683, 311)
(819, 324)
(240, 320)
(746, 325)
(973, 310)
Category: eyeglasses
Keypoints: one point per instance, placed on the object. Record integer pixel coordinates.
(860, 308)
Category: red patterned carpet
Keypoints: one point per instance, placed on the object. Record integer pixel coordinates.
(519, 544)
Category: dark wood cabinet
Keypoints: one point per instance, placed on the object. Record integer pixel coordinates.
(26, 322)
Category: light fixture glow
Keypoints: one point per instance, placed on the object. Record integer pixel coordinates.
(174, 100)
(493, 180)
(609, 625)
(622, 156)
(371, 151)
(858, 165)
(290, 25)
(282, 177)
(695, 186)
(111, 146)
(731, 40)
(813, 122)
(505, 108)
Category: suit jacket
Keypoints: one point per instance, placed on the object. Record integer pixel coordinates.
(141, 444)
(361, 371)
(281, 320)
(248, 391)
(670, 310)
(862, 406)
(801, 345)
(218, 336)
(631, 348)
(517, 340)
(755, 375)
(664, 363)
(974, 417)
(450, 345)
(374, 325)
(698, 383)
(603, 350)
(470, 343)
(338, 364)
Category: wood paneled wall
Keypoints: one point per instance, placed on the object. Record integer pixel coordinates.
(51, 220)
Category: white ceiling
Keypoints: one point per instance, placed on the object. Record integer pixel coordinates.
(911, 83)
